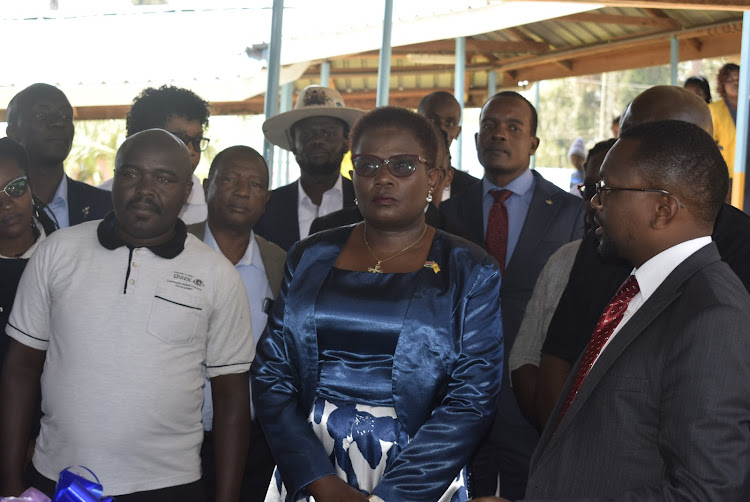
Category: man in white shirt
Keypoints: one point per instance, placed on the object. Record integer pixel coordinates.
(317, 133)
(119, 319)
(657, 407)
(184, 114)
(237, 192)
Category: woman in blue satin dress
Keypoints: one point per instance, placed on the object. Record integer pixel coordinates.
(380, 367)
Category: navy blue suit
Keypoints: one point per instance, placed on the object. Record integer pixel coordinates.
(554, 218)
(86, 203)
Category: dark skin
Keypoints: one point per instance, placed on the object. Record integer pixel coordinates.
(16, 235)
(319, 147)
(43, 124)
(657, 103)
(236, 196)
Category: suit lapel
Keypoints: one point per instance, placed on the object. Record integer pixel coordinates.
(665, 294)
(347, 188)
(470, 214)
(542, 211)
(77, 213)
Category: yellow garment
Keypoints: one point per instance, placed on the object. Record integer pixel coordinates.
(724, 132)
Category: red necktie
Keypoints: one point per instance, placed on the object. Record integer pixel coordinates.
(608, 321)
(497, 227)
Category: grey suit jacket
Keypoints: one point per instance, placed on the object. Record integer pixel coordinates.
(664, 413)
(272, 255)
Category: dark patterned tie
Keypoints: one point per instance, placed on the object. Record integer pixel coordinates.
(497, 227)
(608, 321)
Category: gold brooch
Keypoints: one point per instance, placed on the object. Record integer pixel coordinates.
(433, 265)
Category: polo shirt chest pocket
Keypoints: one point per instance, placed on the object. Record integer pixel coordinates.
(176, 316)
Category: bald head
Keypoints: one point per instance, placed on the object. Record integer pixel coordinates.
(157, 142)
(442, 109)
(666, 102)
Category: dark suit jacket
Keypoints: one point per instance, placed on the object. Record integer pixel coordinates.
(555, 217)
(280, 223)
(86, 203)
(664, 412)
(593, 282)
(272, 255)
(461, 181)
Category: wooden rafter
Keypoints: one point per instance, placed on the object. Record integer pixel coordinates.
(730, 5)
(649, 22)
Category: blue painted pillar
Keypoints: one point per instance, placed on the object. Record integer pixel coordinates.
(274, 67)
(282, 173)
(741, 143)
(459, 91)
(674, 59)
(325, 73)
(384, 68)
(536, 105)
(491, 83)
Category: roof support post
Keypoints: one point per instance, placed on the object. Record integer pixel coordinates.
(282, 175)
(491, 83)
(536, 106)
(325, 73)
(674, 59)
(459, 90)
(274, 68)
(743, 118)
(384, 68)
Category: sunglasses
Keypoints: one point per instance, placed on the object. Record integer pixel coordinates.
(199, 144)
(16, 188)
(400, 166)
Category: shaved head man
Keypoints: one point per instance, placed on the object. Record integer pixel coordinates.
(131, 312)
(667, 102)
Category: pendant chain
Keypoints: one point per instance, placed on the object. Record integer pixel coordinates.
(376, 269)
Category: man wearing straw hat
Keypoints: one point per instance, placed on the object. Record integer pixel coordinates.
(317, 133)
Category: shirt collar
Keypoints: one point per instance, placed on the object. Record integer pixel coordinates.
(651, 274)
(62, 191)
(247, 259)
(336, 188)
(518, 186)
(170, 249)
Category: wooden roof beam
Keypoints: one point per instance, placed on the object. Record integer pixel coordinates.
(587, 17)
(730, 5)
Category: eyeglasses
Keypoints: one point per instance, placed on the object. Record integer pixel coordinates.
(401, 166)
(600, 188)
(587, 190)
(199, 144)
(16, 188)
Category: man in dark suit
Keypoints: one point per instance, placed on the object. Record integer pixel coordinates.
(442, 109)
(41, 119)
(539, 218)
(237, 192)
(317, 133)
(593, 280)
(657, 407)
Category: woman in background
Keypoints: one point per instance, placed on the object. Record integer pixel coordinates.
(380, 367)
(724, 113)
(699, 85)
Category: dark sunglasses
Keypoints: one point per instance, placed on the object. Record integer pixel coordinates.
(401, 166)
(199, 144)
(16, 188)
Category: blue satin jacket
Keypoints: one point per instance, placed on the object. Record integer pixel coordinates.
(447, 366)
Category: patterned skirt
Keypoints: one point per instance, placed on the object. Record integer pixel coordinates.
(362, 442)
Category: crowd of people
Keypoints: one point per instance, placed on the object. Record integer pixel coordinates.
(409, 334)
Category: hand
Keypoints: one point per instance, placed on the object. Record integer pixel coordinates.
(333, 489)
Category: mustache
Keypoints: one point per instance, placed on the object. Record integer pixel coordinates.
(141, 200)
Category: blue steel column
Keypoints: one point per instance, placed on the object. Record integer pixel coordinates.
(274, 67)
(674, 59)
(325, 73)
(536, 105)
(743, 121)
(384, 68)
(491, 83)
(282, 175)
(459, 91)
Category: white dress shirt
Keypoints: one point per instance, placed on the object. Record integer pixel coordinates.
(333, 200)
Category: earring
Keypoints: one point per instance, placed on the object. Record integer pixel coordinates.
(355, 201)
(429, 196)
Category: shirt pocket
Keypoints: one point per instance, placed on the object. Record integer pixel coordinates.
(175, 315)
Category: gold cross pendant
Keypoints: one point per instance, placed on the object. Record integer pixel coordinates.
(376, 269)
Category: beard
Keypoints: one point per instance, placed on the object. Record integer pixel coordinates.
(325, 167)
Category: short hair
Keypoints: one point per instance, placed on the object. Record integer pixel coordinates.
(602, 146)
(723, 76)
(701, 82)
(683, 159)
(232, 150)
(400, 118)
(21, 101)
(152, 108)
(435, 95)
(514, 94)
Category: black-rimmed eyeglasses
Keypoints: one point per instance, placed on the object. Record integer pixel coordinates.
(600, 188)
(199, 144)
(401, 166)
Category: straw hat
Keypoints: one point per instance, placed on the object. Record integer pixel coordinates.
(313, 101)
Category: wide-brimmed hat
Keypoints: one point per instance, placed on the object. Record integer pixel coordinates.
(313, 101)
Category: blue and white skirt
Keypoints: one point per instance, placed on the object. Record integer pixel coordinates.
(363, 442)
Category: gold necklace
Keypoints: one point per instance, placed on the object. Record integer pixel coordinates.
(376, 269)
